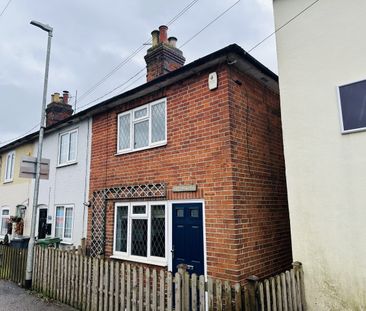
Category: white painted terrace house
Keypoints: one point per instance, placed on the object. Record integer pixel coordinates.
(62, 204)
(322, 75)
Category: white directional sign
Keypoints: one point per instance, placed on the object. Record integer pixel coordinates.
(28, 167)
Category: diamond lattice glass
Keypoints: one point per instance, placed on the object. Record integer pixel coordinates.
(139, 237)
(158, 122)
(121, 230)
(141, 134)
(158, 230)
(124, 131)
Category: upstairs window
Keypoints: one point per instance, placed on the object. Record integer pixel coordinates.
(352, 102)
(9, 167)
(67, 147)
(4, 221)
(143, 127)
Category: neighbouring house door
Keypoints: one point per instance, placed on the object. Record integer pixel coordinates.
(188, 237)
(42, 223)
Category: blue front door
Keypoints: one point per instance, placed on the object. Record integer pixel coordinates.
(188, 237)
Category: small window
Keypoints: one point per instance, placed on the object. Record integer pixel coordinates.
(142, 128)
(9, 167)
(194, 213)
(180, 212)
(5, 215)
(139, 209)
(67, 147)
(139, 231)
(64, 220)
(352, 102)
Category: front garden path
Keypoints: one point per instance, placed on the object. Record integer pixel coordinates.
(14, 298)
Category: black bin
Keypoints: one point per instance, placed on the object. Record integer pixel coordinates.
(20, 242)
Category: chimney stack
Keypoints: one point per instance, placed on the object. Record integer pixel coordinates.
(58, 109)
(163, 56)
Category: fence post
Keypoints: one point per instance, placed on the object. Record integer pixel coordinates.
(252, 292)
(182, 270)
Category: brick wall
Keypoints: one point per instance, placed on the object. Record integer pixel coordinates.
(260, 195)
(203, 139)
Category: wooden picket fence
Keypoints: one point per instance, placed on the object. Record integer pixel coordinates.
(284, 292)
(98, 284)
(12, 264)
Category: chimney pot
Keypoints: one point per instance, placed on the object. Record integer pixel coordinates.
(173, 42)
(56, 97)
(155, 38)
(163, 34)
(163, 57)
(66, 97)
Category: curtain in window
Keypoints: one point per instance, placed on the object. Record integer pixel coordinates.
(68, 223)
(9, 169)
(59, 221)
(4, 222)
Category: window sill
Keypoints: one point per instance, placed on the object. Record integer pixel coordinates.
(141, 149)
(7, 181)
(66, 243)
(140, 260)
(67, 164)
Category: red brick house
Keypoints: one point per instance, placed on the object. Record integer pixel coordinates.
(189, 167)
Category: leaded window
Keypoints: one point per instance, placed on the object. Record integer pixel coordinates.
(143, 127)
(140, 231)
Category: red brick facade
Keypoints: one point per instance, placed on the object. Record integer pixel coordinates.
(228, 142)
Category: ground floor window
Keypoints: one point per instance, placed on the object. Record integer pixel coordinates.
(140, 231)
(64, 219)
(5, 215)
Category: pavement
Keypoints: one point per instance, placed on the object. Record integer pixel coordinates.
(14, 298)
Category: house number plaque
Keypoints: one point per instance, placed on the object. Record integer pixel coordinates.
(185, 188)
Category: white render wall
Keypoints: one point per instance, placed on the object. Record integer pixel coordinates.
(13, 195)
(326, 171)
(67, 185)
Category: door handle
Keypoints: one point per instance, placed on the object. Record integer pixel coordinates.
(172, 251)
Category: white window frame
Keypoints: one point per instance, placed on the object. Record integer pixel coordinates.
(65, 206)
(160, 261)
(67, 162)
(134, 121)
(1, 219)
(10, 156)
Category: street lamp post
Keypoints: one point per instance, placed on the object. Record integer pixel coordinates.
(28, 275)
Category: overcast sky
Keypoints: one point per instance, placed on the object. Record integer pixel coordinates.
(92, 37)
